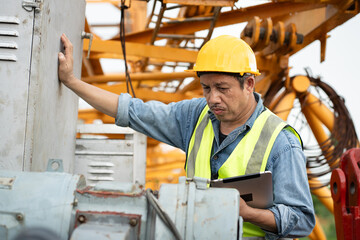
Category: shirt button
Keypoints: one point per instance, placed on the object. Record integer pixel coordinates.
(216, 157)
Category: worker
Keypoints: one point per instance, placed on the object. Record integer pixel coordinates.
(227, 133)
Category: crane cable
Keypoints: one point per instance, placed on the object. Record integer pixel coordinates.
(342, 137)
(122, 41)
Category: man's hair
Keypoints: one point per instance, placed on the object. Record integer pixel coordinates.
(240, 78)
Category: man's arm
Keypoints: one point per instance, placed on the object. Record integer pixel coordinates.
(100, 99)
(261, 217)
(293, 208)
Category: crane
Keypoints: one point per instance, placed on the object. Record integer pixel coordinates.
(163, 41)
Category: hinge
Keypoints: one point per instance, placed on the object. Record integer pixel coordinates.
(29, 5)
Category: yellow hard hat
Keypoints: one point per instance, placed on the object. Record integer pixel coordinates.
(226, 54)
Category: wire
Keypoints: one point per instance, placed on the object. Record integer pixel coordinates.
(122, 41)
(324, 158)
(162, 214)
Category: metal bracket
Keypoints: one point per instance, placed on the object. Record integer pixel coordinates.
(201, 183)
(29, 5)
(90, 37)
(19, 216)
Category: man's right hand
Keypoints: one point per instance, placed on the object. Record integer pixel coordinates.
(100, 99)
(66, 74)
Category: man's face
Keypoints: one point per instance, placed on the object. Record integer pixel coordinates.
(225, 97)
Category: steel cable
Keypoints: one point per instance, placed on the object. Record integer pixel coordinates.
(324, 157)
(162, 214)
(122, 41)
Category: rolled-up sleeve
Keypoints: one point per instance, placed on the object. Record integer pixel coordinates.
(293, 206)
(122, 116)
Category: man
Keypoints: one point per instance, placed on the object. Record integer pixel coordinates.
(227, 133)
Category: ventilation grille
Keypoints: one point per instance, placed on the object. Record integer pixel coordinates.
(8, 38)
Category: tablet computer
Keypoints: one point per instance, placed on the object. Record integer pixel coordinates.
(256, 189)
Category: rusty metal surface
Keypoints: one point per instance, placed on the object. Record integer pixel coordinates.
(106, 225)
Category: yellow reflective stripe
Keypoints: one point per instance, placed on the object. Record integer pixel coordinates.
(264, 123)
(202, 163)
(194, 144)
(270, 130)
(271, 144)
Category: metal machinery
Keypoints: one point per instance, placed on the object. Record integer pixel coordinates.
(63, 207)
(39, 114)
(345, 189)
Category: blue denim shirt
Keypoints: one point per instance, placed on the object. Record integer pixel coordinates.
(174, 124)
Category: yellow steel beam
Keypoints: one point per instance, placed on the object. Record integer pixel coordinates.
(283, 108)
(310, 1)
(334, 18)
(276, 101)
(321, 111)
(315, 125)
(193, 85)
(97, 56)
(146, 94)
(318, 232)
(168, 166)
(263, 83)
(323, 193)
(226, 18)
(141, 50)
(300, 84)
(264, 64)
(224, 3)
(159, 76)
(114, 2)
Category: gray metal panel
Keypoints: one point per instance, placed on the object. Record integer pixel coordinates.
(16, 27)
(122, 160)
(37, 114)
(212, 213)
(99, 231)
(52, 113)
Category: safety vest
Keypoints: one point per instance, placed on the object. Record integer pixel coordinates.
(249, 156)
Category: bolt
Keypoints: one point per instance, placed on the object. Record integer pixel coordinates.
(133, 222)
(19, 217)
(75, 203)
(82, 219)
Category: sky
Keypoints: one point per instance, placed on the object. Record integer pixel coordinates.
(341, 67)
(339, 70)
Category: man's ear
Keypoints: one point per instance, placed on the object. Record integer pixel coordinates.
(249, 84)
